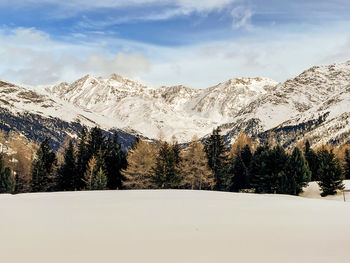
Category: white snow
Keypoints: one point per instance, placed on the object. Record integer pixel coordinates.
(183, 112)
(172, 226)
(313, 191)
(173, 111)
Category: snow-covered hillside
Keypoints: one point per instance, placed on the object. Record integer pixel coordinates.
(174, 111)
(172, 226)
(322, 91)
(35, 113)
(313, 191)
(315, 105)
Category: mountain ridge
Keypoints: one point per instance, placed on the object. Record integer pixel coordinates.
(255, 105)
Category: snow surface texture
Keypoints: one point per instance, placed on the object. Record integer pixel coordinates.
(183, 112)
(172, 226)
(313, 191)
(173, 111)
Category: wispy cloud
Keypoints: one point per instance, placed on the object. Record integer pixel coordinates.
(241, 16)
(108, 21)
(180, 6)
(30, 56)
(168, 42)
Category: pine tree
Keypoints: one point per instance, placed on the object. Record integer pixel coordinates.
(312, 160)
(268, 167)
(240, 143)
(95, 176)
(7, 181)
(194, 168)
(68, 170)
(239, 175)
(217, 161)
(258, 168)
(83, 158)
(246, 155)
(43, 168)
(287, 184)
(240, 169)
(141, 161)
(176, 152)
(297, 174)
(330, 173)
(96, 141)
(347, 165)
(100, 180)
(166, 173)
(115, 161)
(90, 173)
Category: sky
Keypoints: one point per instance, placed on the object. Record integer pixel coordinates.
(196, 43)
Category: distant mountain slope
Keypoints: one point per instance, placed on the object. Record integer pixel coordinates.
(38, 115)
(315, 105)
(174, 111)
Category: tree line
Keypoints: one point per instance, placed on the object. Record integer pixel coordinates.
(96, 161)
(93, 163)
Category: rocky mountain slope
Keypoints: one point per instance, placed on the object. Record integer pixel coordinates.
(315, 104)
(36, 114)
(173, 111)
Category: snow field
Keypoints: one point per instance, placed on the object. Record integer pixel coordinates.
(172, 226)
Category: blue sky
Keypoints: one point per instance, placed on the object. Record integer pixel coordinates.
(170, 42)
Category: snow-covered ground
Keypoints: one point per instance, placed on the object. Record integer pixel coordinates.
(313, 191)
(172, 226)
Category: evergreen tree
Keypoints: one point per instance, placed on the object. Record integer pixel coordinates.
(347, 165)
(258, 168)
(247, 156)
(194, 168)
(287, 184)
(95, 176)
(83, 158)
(330, 173)
(115, 161)
(217, 161)
(96, 141)
(100, 180)
(268, 169)
(312, 160)
(240, 175)
(90, 173)
(297, 174)
(176, 152)
(7, 181)
(141, 162)
(166, 174)
(240, 169)
(68, 169)
(43, 168)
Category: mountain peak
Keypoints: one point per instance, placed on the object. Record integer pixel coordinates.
(4, 83)
(116, 77)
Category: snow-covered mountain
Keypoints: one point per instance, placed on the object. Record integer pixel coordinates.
(315, 104)
(37, 114)
(173, 111)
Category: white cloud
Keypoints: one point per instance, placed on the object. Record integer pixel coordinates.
(203, 5)
(241, 17)
(271, 54)
(172, 8)
(30, 56)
